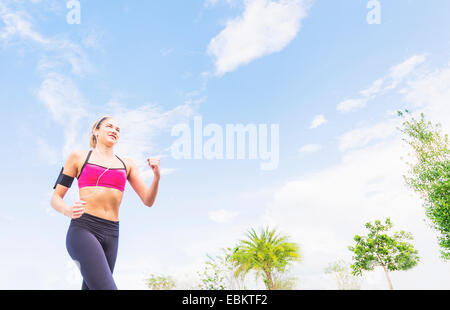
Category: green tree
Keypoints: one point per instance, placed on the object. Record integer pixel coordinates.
(429, 174)
(378, 249)
(264, 253)
(155, 282)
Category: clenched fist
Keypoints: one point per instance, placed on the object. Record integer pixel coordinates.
(154, 164)
(76, 210)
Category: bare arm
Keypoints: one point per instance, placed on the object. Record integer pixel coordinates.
(57, 200)
(147, 194)
(58, 203)
(150, 194)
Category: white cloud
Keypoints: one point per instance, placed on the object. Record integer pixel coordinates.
(362, 136)
(400, 71)
(58, 92)
(62, 97)
(318, 121)
(265, 27)
(222, 216)
(18, 25)
(67, 107)
(373, 89)
(73, 54)
(310, 148)
(396, 75)
(430, 93)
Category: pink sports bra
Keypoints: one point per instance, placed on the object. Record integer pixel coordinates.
(113, 178)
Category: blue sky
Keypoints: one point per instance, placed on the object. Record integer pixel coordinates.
(330, 80)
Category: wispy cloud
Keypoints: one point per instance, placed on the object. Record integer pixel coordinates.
(265, 27)
(67, 107)
(399, 72)
(431, 94)
(374, 89)
(58, 91)
(396, 75)
(363, 136)
(318, 121)
(18, 25)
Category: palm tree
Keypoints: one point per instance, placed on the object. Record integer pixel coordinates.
(264, 254)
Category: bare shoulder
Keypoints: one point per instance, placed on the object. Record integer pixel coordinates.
(78, 155)
(72, 165)
(129, 162)
(77, 158)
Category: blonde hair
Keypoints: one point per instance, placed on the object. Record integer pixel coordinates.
(93, 139)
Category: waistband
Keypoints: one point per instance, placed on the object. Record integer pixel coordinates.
(99, 224)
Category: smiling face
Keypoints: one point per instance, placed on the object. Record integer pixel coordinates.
(109, 132)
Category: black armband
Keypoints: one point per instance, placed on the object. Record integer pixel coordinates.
(64, 180)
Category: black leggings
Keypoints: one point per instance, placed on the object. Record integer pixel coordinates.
(93, 242)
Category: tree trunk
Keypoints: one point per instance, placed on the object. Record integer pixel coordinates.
(269, 279)
(388, 278)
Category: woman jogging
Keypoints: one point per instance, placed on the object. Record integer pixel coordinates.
(93, 234)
